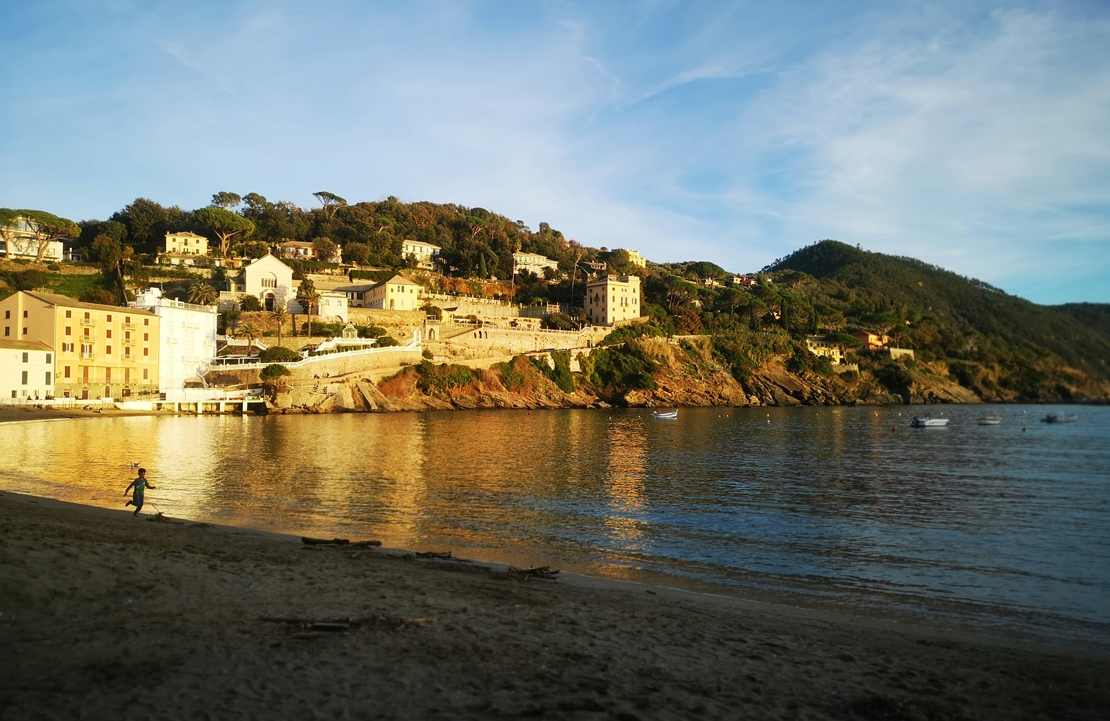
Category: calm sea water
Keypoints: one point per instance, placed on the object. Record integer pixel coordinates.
(1004, 528)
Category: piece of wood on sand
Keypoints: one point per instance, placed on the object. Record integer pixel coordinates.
(545, 573)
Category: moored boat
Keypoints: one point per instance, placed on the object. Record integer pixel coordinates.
(928, 422)
(665, 414)
(989, 420)
(1059, 418)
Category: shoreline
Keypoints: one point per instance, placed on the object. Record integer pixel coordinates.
(579, 647)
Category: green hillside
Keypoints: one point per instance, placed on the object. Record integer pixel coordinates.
(947, 316)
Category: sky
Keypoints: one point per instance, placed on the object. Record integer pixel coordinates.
(970, 135)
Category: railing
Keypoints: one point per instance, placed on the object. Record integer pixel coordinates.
(88, 356)
(88, 321)
(129, 326)
(254, 363)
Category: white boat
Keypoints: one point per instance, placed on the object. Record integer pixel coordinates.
(928, 422)
(665, 414)
(989, 420)
(1059, 418)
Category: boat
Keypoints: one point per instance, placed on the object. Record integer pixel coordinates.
(665, 414)
(928, 422)
(1059, 418)
(989, 420)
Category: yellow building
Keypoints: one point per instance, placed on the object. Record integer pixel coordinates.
(100, 351)
(611, 299)
(635, 258)
(186, 243)
(820, 346)
(397, 293)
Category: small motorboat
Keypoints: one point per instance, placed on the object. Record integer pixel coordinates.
(989, 420)
(928, 422)
(664, 414)
(1059, 418)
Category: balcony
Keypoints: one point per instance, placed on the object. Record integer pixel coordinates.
(130, 342)
(129, 326)
(88, 322)
(88, 339)
(88, 356)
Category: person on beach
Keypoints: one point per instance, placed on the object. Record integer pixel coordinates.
(140, 484)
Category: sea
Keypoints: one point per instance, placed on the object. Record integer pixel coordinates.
(1003, 529)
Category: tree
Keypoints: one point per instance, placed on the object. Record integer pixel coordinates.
(325, 249)
(249, 303)
(224, 224)
(273, 371)
(202, 294)
(278, 316)
(226, 200)
(231, 321)
(249, 331)
(330, 201)
(48, 228)
(308, 296)
(99, 296)
(111, 257)
(358, 253)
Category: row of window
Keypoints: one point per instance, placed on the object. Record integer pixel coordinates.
(84, 373)
(49, 377)
(27, 358)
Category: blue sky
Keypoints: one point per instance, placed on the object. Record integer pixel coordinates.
(972, 136)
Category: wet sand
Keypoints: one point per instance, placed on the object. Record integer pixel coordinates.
(109, 616)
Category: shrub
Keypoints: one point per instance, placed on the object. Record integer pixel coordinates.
(442, 377)
(560, 375)
(388, 341)
(627, 332)
(433, 311)
(53, 267)
(249, 304)
(99, 295)
(29, 279)
(279, 354)
(427, 354)
(620, 368)
(559, 321)
(272, 372)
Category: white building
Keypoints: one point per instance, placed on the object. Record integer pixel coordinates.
(331, 306)
(19, 241)
(267, 279)
(533, 263)
(26, 370)
(425, 254)
(611, 299)
(186, 243)
(186, 337)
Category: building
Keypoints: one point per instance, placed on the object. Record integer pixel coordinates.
(19, 241)
(635, 258)
(267, 279)
(185, 243)
(186, 337)
(533, 263)
(611, 299)
(26, 370)
(331, 306)
(100, 351)
(744, 281)
(301, 250)
(426, 255)
(871, 341)
(397, 293)
(819, 345)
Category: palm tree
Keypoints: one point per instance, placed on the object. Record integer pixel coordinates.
(277, 315)
(202, 294)
(308, 299)
(249, 331)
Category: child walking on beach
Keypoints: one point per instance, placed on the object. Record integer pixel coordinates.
(140, 484)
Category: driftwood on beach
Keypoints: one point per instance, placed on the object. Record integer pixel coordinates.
(308, 541)
(312, 628)
(545, 573)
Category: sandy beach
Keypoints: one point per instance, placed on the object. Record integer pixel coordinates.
(109, 616)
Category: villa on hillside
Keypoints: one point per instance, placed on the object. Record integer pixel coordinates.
(301, 250)
(533, 263)
(186, 243)
(186, 335)
(19, 241)
(426, 255)
(397, 293)
(871, 341)
(611, 299)
(819, 345)
(635, 258)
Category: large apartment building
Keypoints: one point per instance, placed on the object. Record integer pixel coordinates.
(186, 338)
(611, 299)
(100, 351)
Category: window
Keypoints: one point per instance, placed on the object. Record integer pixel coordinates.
(127, 335)
(127, 319)
(7, 330)
(146, 351)
(108, 333)
(24, 330)
(69, 314)
(146, 321)
(108, 350)
(48, 358)
(7, 314)
(69, 330)
(86, 332)
(67, 372)
(24, 377)
(146, 336)
(85, 374)
(146, 373)
(26, 357)
(87, 316)
(127, 351)
(109, 319)
(126, 375)
(47, 377)
(24, 314)
(108, 375)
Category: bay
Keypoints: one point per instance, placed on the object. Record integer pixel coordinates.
(1002, 529)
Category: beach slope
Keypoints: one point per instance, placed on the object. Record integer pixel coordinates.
(109, 616)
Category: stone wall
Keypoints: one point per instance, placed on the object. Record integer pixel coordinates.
(322, 366)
